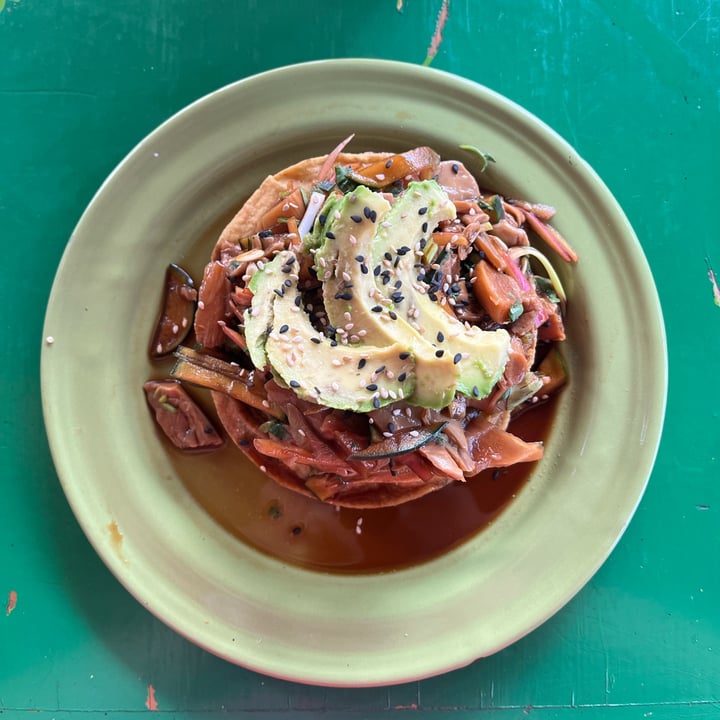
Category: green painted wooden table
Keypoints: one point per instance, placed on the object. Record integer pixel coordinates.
(632, 84)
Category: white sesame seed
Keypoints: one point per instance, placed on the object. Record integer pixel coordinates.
(347, 316)
(262, 468)
(413, 433)
(176, 329)
(336, 362)
(335, 386)
(387, 434)
(201, 305)
(158, 348)
(346, 276)
(354, 338)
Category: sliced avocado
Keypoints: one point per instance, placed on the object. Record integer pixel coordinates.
(349, 377)
(258, 317)
(357, 310)
(480, 356)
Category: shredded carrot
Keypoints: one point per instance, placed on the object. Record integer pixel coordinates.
(552, 237)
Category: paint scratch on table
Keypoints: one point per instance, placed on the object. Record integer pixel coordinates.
(116, 538)
(11, 602)
(399, 5)
(437, 35)
(151, 702)
(411, 706)
(714, 282)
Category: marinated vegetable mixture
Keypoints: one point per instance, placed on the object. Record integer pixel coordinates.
(369, 324)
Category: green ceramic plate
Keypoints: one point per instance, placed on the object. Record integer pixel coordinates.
(171, 192)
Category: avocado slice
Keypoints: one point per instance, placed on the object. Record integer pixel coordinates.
(356, 308)
(358, 377)
(258, 317)
(480, 355)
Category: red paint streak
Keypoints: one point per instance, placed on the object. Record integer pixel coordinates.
(151, 702)
(411, 706)
(11, 603)
(714, 283)
(437, 35)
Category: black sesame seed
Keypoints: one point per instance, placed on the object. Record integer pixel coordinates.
(343, 295)
(333, 343)
(284, 329)
(421, 276)
(376, 270)
(457, 358)
(356, 218)
(380, 369)
(286, 269)
(322, 219)
(376, 308)
(440, 337)
(422, 243)
(367, 212)
(388, 164)
(316, 340)
(397, 261)
(404, 355)
(476, 391)
(397, 297)
(424, 227)
(290, 260)
(376, 403)
(373, 216)
(404, 250)
(361, 363)
(360, 258)
(364, 268)
(401, 377)
(392, 314)
(422, 211)
(387, 256)
(294, 383)
(265, 233)
(495, 474)
(398, 284)
(279, 291)
(391, 427)
(287, 283)
(372, 387)
(433, 296)
(296, 530)
(317, 390)
(330, 235)
(455, 168)
(385, 278)
(439, 353)
(298, 300)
